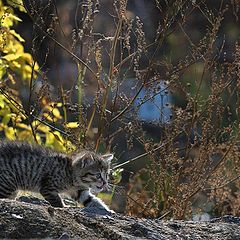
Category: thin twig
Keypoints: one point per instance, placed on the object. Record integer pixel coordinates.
(61, 45)
(111, 75)
(223, 185)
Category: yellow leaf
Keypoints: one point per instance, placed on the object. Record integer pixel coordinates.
(2, 103)
(28, 58)
(56, 113)
(17, 4)
(11, 57)
(4, 111)
(72, 125)
(27, 72)
(69, 146)
(23, 126)
(8, 18)
(57, 136)
(49, 139)
(11, 78)
(3, 67)
(26, 136)
(10, 133)
(41, 127)
(48, 117)
(2, 126)
(17, 36)
(14, 17)
(6, 118)
(18, 118)
(55, 140)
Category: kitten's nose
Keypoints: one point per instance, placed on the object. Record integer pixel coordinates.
(105, 187)
(104, 182)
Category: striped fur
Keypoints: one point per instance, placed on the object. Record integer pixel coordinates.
(34, 168)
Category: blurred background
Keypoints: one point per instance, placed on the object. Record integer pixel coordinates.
(154, 81)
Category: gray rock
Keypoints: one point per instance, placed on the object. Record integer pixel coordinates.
(26, 220)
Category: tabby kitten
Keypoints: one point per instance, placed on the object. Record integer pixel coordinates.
(34, 168)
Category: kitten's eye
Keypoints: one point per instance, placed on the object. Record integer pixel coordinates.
(98, 175)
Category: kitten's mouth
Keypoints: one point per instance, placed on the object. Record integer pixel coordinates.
(101, 187)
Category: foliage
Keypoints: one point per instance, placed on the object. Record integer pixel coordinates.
(18, 67)
(13, 57)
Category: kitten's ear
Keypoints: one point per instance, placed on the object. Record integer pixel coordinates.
(84, 159)
(108, 157)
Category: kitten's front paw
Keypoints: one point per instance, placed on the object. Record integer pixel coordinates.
(111, 211)
(105, 208)
(97, 210)
(98, 207)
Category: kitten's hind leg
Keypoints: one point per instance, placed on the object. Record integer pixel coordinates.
(13, 195)
(7, 190)
(52, 197)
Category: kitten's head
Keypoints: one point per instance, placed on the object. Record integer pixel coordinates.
(91, 170)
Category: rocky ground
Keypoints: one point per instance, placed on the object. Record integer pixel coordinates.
(27, 220)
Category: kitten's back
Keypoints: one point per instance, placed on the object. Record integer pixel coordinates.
(25, 165)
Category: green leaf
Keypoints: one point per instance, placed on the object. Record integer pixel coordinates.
(117, 175)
